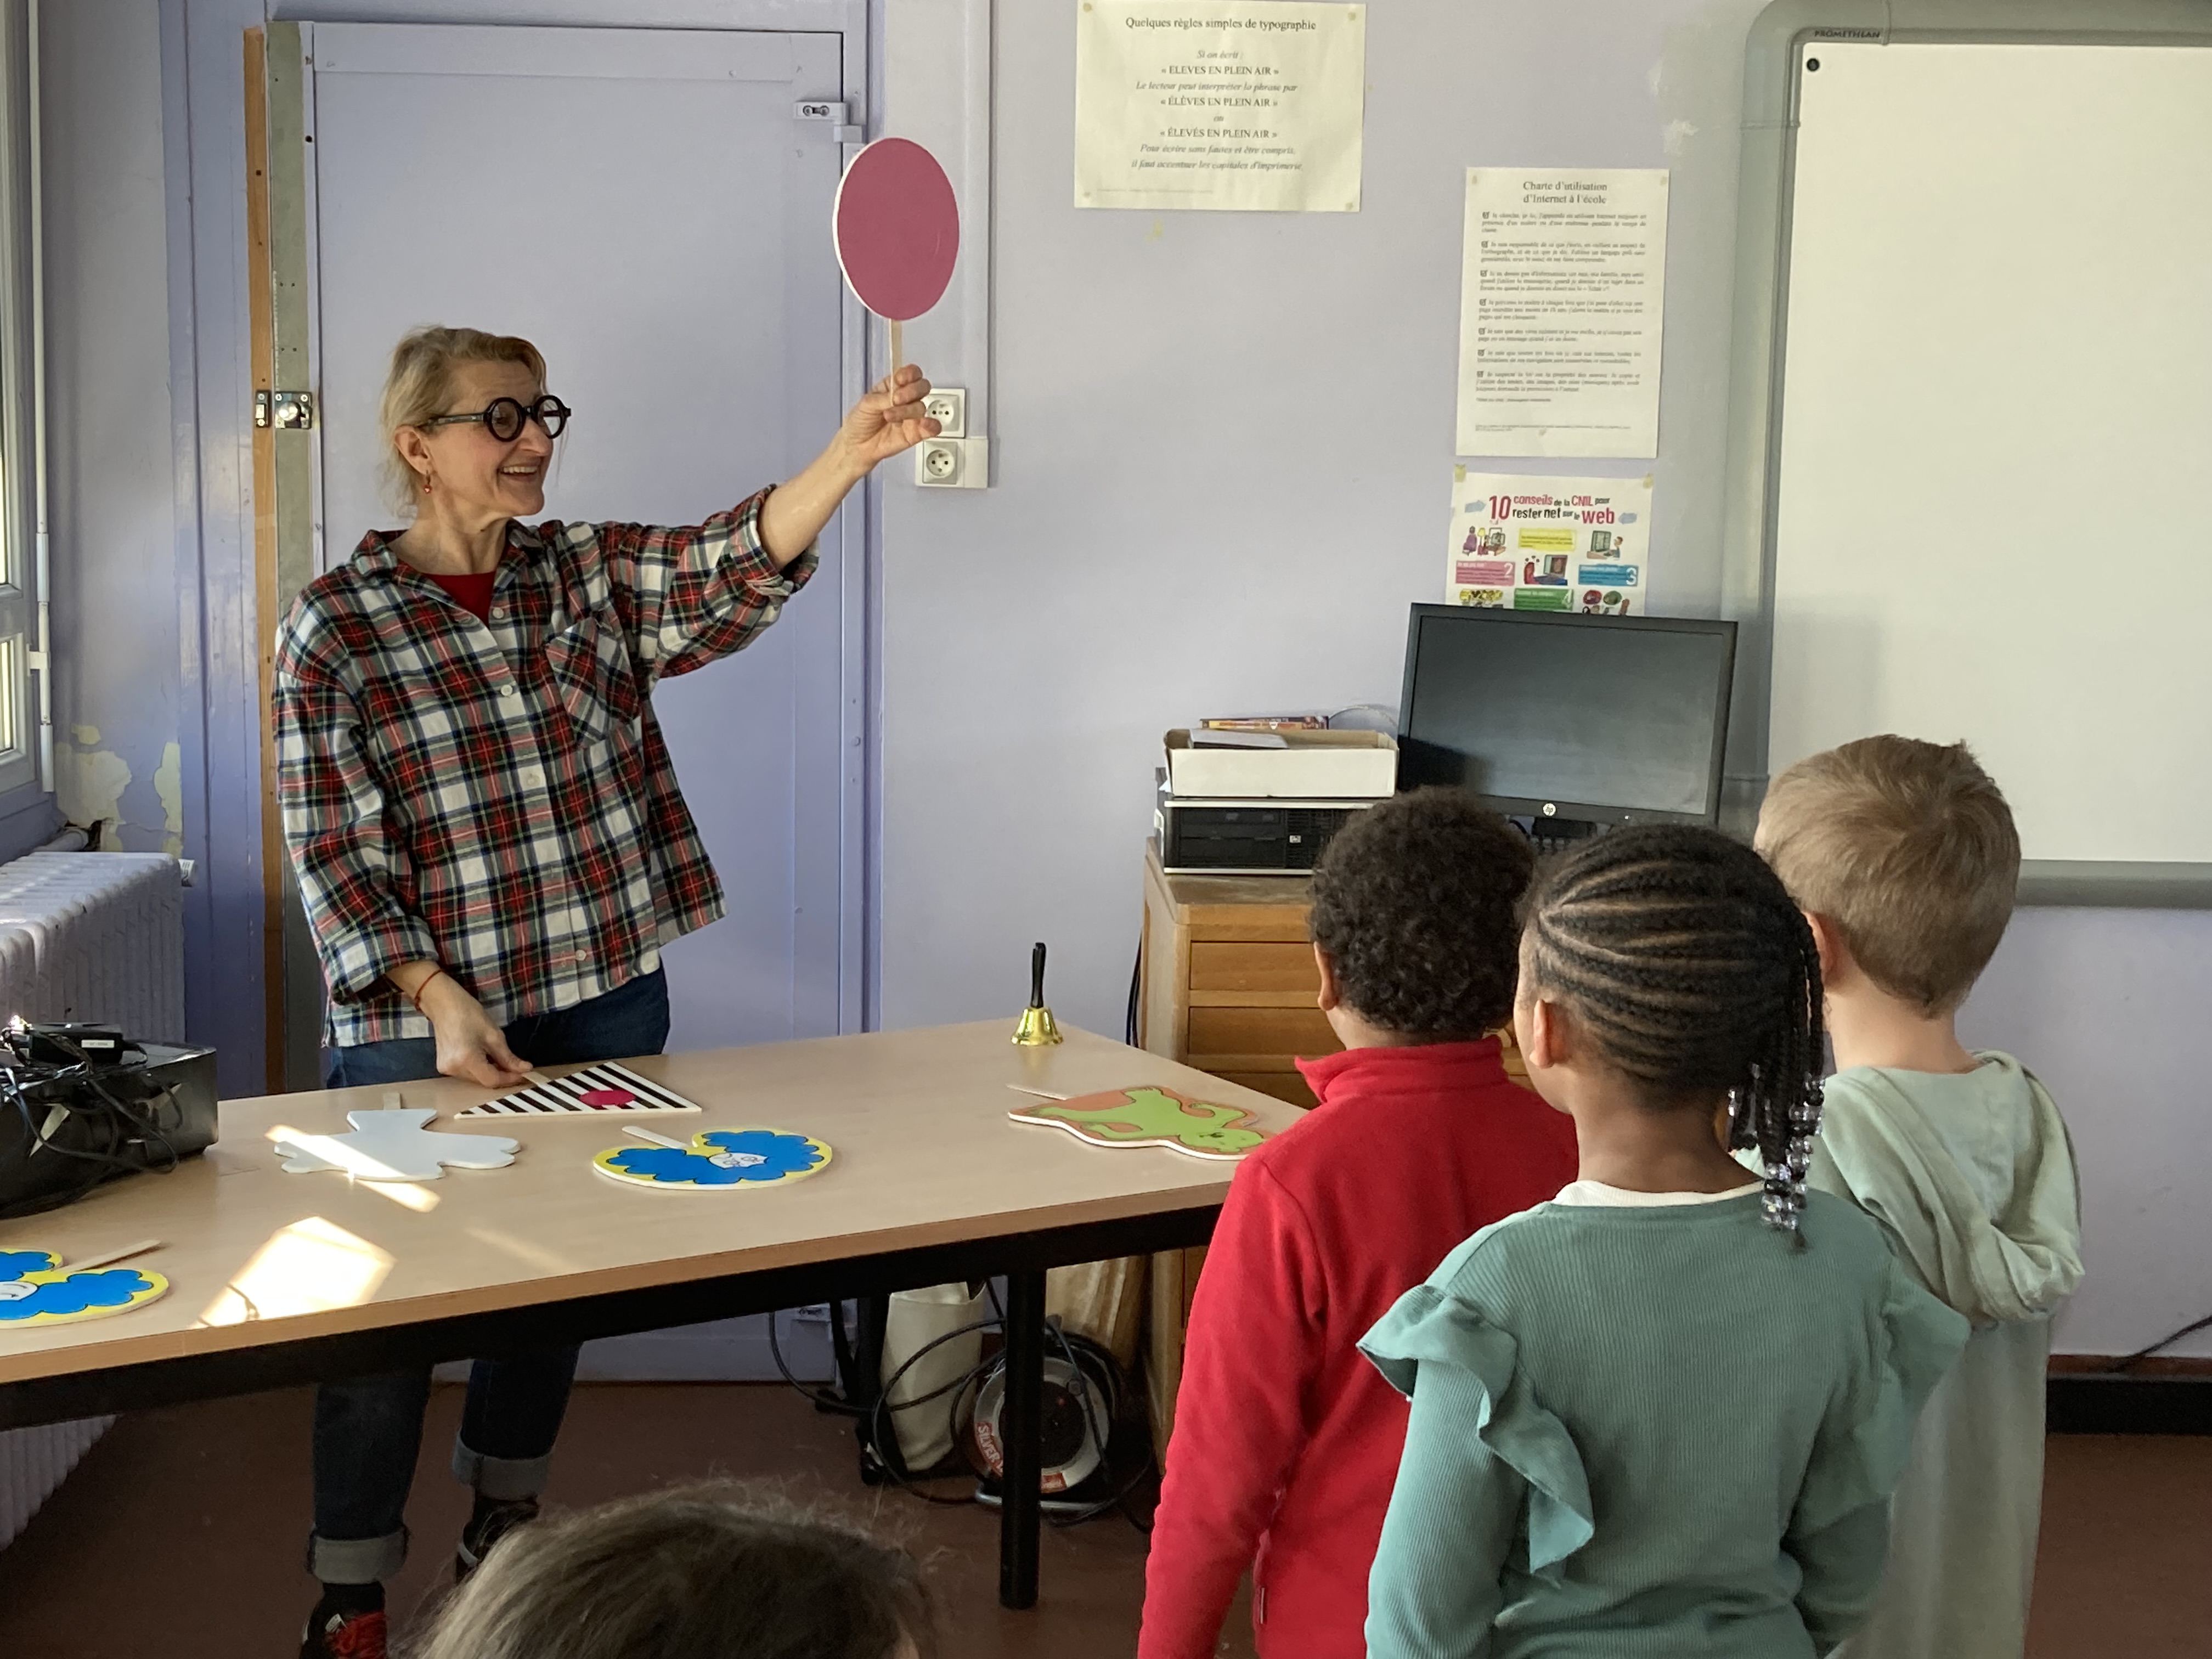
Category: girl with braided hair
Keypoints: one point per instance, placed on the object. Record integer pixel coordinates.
(1661, 1414)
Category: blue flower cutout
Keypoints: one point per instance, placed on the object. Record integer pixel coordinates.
(14, 1264)
(738, 1155)
(108, 1287)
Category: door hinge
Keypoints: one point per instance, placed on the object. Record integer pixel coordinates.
(838, 114)
(292, 410)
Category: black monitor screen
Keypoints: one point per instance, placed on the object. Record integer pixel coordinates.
(1622, 717)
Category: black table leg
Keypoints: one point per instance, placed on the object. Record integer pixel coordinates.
(1022, 1427)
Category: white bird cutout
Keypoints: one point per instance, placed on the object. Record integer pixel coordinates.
(392, 1145)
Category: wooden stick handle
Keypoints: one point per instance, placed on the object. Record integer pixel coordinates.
(657, 1139)
(139, 1248)
(898, 350)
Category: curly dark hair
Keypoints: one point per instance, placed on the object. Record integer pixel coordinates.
(1414, 901)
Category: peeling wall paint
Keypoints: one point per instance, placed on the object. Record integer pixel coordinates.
(88, 783)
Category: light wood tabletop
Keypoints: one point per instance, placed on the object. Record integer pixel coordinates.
(924, 1154)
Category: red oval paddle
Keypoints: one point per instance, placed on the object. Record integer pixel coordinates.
(897, 229)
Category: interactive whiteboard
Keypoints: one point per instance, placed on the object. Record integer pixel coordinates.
(1989, 425)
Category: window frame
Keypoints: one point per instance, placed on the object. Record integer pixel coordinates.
(26, 721)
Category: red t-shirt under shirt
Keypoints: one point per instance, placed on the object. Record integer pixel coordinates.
(472, 593)
(1286, 1440)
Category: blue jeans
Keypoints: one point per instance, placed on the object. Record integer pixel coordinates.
(368, 1429)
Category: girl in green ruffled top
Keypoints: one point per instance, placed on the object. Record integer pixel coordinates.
(1661, 1414)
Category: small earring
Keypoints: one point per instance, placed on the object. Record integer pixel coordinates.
(426, 484)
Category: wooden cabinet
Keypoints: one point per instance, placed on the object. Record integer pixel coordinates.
(1228, 978)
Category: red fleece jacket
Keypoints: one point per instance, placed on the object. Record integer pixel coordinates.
(1286, 1440)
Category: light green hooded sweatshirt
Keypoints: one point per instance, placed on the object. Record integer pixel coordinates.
(1972, 1175)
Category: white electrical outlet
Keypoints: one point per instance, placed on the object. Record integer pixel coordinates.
(952, 463)
(947, 405)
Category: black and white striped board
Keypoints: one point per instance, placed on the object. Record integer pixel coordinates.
(595, 1091)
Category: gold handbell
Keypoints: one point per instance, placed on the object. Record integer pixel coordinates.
(1038, 1029)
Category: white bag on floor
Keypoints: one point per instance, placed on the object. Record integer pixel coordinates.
(917, 1319)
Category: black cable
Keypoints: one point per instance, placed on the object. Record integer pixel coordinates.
(1092, 1512)
(1101, 1438)
(955, 1392)
(1136, 980)
(1080, 1385)
(876, 1414)
(2167, 1341)
(822, 1401)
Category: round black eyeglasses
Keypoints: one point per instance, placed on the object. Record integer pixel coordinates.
(503, 417)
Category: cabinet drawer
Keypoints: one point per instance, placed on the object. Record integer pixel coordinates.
(1283, 1086)
(1254, 968)
(1256, 1039)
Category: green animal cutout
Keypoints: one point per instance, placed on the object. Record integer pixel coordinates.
(1150, 1116)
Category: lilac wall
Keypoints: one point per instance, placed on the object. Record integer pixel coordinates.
(112, 509)
(1224, 445)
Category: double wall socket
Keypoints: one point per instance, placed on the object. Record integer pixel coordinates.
(952, 459)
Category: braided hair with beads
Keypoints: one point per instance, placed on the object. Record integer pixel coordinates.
(1691, 969)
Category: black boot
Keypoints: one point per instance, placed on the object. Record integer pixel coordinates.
(493, 1519)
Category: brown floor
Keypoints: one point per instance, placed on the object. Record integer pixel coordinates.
(208, 1503)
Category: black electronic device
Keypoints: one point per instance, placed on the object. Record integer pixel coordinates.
(1246, 837)
(1568, 722)
(66, 1042)
(80, 1104)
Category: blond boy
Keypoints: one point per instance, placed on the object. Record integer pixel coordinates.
(1904, 857)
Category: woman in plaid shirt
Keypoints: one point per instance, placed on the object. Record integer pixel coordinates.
(488, 837)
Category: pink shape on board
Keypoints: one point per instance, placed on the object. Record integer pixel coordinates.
(897, 228)
(606, 1097)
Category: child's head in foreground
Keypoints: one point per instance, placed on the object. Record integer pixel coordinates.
(1905, 854)
(698, 1572)
(1672, 957)
(1414, 921)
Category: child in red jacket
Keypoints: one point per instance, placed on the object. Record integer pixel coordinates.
(1287, 1442)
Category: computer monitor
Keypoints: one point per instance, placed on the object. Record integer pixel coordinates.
(1598, 719)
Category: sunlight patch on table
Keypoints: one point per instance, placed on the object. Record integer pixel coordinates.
(310, 1267)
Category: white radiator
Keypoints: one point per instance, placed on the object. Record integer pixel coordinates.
(83, 936)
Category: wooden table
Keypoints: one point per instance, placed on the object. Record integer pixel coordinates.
(278, 1280)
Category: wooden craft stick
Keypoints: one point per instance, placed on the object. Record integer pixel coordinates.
(1041, 1094)
(139, 1248)
(657, 1141)
(393, 1101)
(898, 350)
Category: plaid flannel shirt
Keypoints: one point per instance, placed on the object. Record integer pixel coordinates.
(497, 796)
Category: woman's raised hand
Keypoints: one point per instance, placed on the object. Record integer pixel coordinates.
(469, 1045)
(888, 419)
